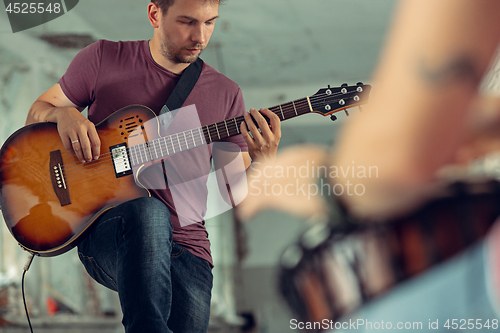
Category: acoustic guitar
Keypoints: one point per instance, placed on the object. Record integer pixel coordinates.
(49, 199)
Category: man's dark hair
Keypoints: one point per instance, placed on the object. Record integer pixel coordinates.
(164, 5)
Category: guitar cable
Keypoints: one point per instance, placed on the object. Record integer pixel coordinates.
(26, 267)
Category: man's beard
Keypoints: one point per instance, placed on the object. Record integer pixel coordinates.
(177, 57)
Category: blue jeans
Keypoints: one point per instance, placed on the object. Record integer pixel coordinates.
(453, 296)
(162, 286)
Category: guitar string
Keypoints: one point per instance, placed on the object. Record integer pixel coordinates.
(84, 171)
(142, 152)
(74, 179)
(286, 108)
(289, 108)
(79, 178)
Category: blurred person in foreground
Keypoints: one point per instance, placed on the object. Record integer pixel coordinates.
(154, 250)
(426, 115)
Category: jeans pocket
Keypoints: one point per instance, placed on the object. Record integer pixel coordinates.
(177, 250)
(96, 272)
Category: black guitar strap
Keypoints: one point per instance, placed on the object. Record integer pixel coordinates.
(183, 88)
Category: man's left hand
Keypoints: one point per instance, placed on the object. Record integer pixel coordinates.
(263, 144)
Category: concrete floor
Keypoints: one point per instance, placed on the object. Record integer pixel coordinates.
(118, 329)
(64, 323)
(79, 324)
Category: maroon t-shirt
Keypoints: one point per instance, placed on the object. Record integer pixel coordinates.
(107, 76)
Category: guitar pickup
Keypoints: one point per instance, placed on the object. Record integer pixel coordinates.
(121, 161)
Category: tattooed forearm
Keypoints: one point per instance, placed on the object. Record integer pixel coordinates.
(461, 69)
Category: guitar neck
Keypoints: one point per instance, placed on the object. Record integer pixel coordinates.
(166, 146)
(231, 127)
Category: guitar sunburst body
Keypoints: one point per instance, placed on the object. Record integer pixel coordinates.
(49, 198)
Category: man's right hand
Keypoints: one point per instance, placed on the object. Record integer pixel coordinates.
(78, 134)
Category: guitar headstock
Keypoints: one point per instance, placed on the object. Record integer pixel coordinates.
(330, 100)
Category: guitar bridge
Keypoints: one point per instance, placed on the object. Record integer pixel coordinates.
(58, 179)
(121, 161)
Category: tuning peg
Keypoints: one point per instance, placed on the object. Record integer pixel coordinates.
(360, 108)
(359, 84)
(344, 85)
(346, 112)
(333, 117)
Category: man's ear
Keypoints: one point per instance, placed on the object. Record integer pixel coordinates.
(154, 14)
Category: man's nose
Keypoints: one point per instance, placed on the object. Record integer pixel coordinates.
(199, 34)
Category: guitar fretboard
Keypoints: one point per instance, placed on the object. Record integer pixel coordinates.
(163, 147)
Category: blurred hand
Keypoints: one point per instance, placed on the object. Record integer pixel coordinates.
(483, 132)
(288, 184)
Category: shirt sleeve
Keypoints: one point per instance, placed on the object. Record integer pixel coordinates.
(79, 81)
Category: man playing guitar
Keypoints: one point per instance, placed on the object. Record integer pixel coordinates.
(160, 267)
